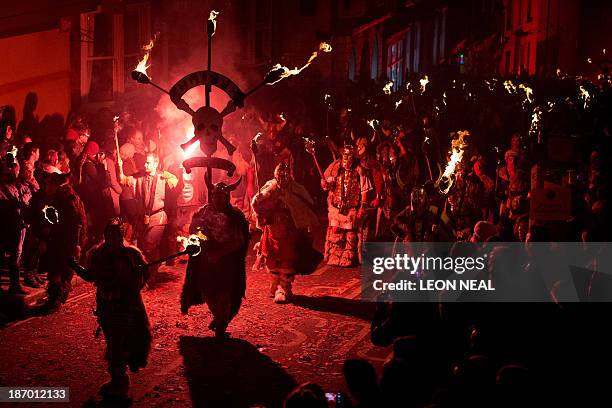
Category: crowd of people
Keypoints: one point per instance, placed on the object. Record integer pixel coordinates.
(435, 159)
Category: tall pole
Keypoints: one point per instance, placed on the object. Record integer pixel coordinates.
(210, 31)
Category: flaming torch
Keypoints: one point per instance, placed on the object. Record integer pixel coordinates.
(585, 96)
(280, 72)
(139, 74)
(424, 82)
(192, 246)
(387, 87)
(447, 178)
(211, 24)
(528, 93)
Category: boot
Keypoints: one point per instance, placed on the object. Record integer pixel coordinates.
(15, 287)
(280, 296)
(117, 387)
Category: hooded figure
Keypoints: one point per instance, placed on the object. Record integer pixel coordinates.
(285, 214)
(59, 222)
(217, 276)
(119, 273)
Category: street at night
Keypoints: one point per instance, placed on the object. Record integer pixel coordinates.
(305, 203)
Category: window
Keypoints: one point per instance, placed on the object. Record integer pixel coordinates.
(308, 8)
(436, 38)
(375, 59)
(442, 52)
(261, 31)
(417, 47)
(111, 45)
(408, 50)
(395, 64)
(100, 58)
(352, 64)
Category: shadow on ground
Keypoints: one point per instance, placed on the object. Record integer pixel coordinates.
(347, 307)
(232, 373)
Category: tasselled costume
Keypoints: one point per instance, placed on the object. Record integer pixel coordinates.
(346, 185)
(286, 217)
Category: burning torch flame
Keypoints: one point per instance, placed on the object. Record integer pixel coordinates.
(387, 88)
(279, 72)
(51, 215)
(585, 95)
(535, 121)
(510, 87)
(528, 92)
(212, 17)
(192, 242)
(424, 83)
(447, 178)
(142, 64)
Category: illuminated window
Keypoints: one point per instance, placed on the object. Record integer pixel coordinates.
(375, 59)
(111, 45)
(352, 64)
(395, 64)
(416, 60)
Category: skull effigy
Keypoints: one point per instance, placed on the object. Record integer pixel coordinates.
(207, 123)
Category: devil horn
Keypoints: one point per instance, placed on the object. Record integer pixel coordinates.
(233, 186)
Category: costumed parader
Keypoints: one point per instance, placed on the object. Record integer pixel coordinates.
(59, 223)
(217, 276)
(286, 217)
(119, 272)
(348, 187)
(422, 220)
